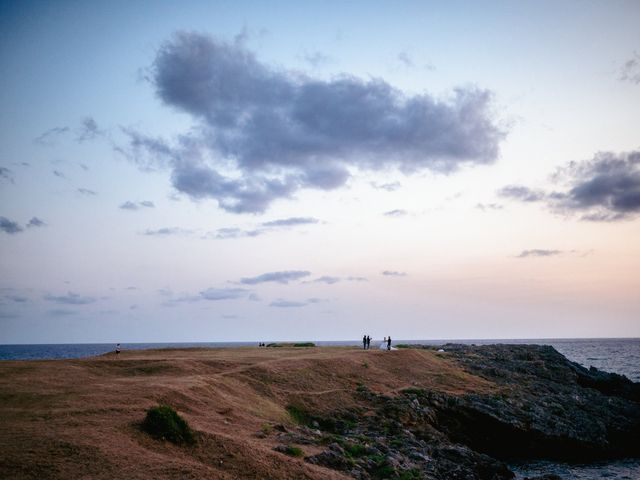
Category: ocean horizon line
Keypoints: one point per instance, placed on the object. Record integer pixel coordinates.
(357, 340)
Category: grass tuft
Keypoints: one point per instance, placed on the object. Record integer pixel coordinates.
(293, 451)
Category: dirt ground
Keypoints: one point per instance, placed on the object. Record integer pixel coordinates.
(77, 419)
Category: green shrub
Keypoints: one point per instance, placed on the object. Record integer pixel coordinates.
(299, 415)
(413, 391)
(293, 451)
(163, 422)
(304, 344)
(411, 474)
(355, 449)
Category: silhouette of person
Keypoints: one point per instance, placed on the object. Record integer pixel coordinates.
(364, 342)
(117, 349)
(368, 342)
(389, 343)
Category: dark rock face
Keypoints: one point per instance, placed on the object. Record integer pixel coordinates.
(544, 406)
(548, 408)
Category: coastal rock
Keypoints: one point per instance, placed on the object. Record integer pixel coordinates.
(548, 476)
(547, 407)
(543, 406)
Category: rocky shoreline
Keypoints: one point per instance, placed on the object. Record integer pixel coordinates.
(464, 413)
(546, 408)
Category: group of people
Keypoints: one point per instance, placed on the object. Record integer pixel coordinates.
(385, 345)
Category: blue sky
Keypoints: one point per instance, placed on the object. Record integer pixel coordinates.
(211, 171)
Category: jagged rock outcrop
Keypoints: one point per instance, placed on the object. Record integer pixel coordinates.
(544, 406)
(547, 407)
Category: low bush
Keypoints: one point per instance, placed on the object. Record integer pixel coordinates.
(355, 449)
(299, 415)
(293, 451)
(163, 422)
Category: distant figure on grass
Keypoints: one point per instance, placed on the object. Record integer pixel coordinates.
(117, 349)
(368, 342)
(364, 342)
(389, 343)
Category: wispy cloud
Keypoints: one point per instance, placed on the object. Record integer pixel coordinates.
(630, 70)
(70, 299)
(167, 231)
(88, 130)
(316, 59)
(223, 293)
(283, 277)
(357, 279)
(393, 273)
(36, 222)
(227, 233)
(17, 298)
(395, 213)
(209, 294)
(281, 303)
(327, 279)
(50, 136)
(6, 174)
(489, 206)
(129, 205)
(9, 226)
(261, 229)
(87, 192)
(389, 186)
(290, 222)
(405, 59)
(536, 252)
(61, 312)
(522, 193)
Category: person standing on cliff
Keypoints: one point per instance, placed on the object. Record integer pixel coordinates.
(389, 343)
(368, 342)
(364, 342)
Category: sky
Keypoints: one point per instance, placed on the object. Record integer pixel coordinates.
(247, 171)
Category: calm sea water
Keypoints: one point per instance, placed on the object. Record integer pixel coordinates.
(610, 354)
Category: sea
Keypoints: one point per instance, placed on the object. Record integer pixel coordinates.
(618, 355)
